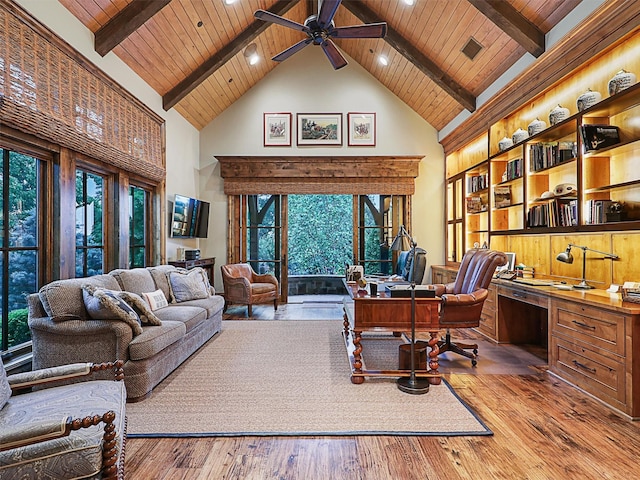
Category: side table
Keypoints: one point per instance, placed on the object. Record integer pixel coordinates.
(206, 263)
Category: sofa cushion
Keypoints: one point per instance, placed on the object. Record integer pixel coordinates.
(155, 300)
(159, 274)
(5, 389)
(212, 304)
(104, 304)
(188, 285)
(140, 306)
(64, 297)
(260, 288)
(153, 339)
(136, 280)
(191, 316)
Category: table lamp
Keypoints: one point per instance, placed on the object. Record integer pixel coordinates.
(566, 257)
(411, 384)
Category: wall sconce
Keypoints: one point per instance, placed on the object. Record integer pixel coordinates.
(251, 54)
(566, 257)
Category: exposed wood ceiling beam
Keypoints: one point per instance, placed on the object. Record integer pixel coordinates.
(510, 21)
(204, 71)
(127, 21)
(415, 56)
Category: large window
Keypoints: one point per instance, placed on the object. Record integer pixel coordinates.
(138, 234)
(89, 224)
(379, 217)
(20, 243)
(264, 231)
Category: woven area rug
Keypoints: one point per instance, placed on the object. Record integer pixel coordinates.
(289, 378)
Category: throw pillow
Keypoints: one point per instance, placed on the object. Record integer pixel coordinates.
(188, 284)
(140, 306)
(5, 389)
(103, 304)
(155, 299)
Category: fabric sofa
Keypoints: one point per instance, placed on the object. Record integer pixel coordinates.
(64, 331)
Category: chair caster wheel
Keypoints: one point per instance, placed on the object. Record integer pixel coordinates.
(474, 362)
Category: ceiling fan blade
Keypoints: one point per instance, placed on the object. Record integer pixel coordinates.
(327, 11)
(370, 30)
(333, 54)
(273, 18)
(291, 50)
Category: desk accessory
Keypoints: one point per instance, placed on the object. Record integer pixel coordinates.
(566, 257)
(411, 384)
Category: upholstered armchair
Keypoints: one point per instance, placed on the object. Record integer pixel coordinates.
(244, 286)
(62, 432)
(462, 300)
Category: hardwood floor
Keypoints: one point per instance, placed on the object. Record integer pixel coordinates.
(543, 429)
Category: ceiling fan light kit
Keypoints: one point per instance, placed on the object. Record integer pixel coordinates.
(320, 30)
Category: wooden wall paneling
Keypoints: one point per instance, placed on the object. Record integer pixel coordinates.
(533, 251)
(625, 245)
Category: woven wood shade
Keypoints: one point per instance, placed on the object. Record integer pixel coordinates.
(49, 90)
(314, 175)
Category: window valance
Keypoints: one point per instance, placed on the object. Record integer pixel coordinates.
(390, 175)
(49, 90)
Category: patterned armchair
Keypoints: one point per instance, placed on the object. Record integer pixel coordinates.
(244, 286)
(69, 431)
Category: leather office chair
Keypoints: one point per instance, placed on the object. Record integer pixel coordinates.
(244, 286)
(462, 300)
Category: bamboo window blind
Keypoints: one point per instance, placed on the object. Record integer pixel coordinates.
(49, 90)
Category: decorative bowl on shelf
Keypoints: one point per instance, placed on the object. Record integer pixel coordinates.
(558, 114)
(620, 81)
(519, 136)
(536, 126)
(505, 143)
(588, 99)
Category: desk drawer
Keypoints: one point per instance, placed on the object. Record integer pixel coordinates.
(593, 327)
(488, 323)
(524, 296)
(599, 375)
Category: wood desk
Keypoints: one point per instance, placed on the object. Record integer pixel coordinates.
(383, 313)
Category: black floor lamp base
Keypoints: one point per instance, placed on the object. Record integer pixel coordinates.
(415, 386)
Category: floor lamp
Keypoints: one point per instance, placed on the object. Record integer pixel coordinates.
(411, 384)
(566, 257)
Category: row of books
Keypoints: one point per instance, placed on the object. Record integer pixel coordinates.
(596, 211)
(514, 169)
(475, 183)
(550, 154)
(560, 212)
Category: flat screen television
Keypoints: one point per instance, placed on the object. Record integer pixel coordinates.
(190, 218)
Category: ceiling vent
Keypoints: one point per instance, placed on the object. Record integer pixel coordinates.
(472, 48)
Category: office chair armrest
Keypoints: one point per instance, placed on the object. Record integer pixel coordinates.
(450, 300)
(442, 289)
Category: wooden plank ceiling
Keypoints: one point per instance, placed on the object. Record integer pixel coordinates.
(191, 51)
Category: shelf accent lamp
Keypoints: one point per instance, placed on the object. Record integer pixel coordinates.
(566, 257)
(411, 384)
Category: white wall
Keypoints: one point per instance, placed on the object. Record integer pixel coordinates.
(306, 83)
(182, 139)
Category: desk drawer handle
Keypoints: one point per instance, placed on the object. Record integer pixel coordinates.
(519, 295)
(583, 366)
(584, 325)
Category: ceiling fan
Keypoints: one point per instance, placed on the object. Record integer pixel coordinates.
(320, 29)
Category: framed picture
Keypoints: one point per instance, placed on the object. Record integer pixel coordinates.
(319, 128)
(277, 129)
(511, 263)
(362, 129)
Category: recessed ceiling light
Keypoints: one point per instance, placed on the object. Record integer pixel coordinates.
(229, 2)
(409, 2)
(383, 60)
(251, 54)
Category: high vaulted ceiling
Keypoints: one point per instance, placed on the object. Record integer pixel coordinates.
(192, 51)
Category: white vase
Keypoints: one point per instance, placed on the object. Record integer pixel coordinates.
(588, 99)
(558, 114)
(519, 136)
(620, 81)
(505, 143)
(536, 126)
